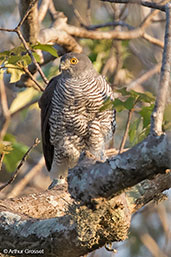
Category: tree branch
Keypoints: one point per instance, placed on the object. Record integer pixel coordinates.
(146, 159)
(52, 218)
(157, 115)
(29, 20)
(143, 3)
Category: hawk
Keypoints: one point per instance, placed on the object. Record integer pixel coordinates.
(72, 120)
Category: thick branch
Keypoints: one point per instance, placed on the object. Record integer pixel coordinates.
(146, 159)
(53, 219)
(30, 27)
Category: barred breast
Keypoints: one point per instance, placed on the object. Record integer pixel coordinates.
(76, 123)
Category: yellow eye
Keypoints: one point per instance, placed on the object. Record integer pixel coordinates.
(73, 60)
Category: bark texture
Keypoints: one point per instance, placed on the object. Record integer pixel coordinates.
(53, 223)
(144, 160)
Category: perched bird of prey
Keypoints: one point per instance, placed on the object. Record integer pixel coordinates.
(72, 120)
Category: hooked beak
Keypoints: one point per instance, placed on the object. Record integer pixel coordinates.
(64, 65)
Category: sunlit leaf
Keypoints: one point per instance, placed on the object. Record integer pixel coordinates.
(26, 59)
(11, 160)
(4, 53)
(13, 59)
(36, 56)
(15, 72)
(19, 50)
(143, 97)
(45, 47)
(5, 147)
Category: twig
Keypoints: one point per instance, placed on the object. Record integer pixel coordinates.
(143, 3)
(31, 55)
(146, 36)
(36, 142)
(17, 30)
(153, 40)
(148, 19)
(76, 13)
(126, 130)
(110, 24)
(5, 110)
(157, 115)
(26, 14)
(43, 9)
(123, 35)
(162, 213)
(22, 183)
(88, 12)
(33, 79)
(151, 245)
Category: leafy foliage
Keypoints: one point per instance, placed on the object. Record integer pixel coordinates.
(14, 61)
(47, 48)
(141, 103)
(15, 151)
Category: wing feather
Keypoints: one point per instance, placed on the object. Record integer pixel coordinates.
(46, 108)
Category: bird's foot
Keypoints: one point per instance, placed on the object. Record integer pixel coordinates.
(56, 182)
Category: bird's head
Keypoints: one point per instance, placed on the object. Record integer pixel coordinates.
(76, 65)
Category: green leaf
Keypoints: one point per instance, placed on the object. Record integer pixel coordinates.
(11, 160)
(19, 50)
(146, 114)
(5, 53)
(129, 103)
(118, 105)
(26, 59)
(15, 72)
(13, 59)
(36, 56)
(143, 97)
(47, 48)
(5, 147)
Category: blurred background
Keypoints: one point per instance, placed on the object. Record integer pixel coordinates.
(133, 64)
